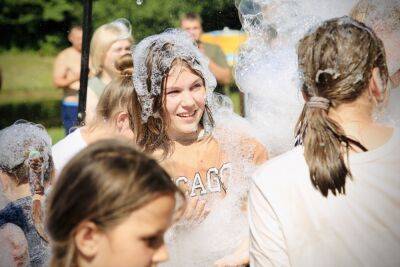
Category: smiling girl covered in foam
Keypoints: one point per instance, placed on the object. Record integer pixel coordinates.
(174, 117)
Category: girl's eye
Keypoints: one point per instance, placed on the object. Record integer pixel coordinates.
(196, 86)
(173, 92)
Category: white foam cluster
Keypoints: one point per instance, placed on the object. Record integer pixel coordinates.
(22, 142)
(19, 139)
(267, 71)
(384, 18)
(180, 46)
(381, 15)
(124, 27)
(202, 244)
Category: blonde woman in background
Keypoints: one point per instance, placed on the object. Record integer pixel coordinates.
(109, 42)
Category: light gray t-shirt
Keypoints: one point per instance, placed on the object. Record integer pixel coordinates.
(293, 224)
(66, 148)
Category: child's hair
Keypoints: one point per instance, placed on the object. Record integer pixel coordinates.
(26, 157)
(154, 57)
(103, 184)
(336, 61)
(117, 95)
(104, 37)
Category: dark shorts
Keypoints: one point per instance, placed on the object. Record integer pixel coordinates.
(69, 115)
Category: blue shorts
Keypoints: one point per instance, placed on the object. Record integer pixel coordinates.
(69, 116)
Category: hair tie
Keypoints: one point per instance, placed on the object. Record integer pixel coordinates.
(318, 102)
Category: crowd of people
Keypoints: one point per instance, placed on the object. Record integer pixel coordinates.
(157, 157)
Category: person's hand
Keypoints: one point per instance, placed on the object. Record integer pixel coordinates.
(196, 210)
(75, 85)
(239, 258)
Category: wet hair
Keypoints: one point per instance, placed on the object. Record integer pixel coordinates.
(336, 62)
(117, 95)
(151, 134)
(26, 157)
(103, 38)
(104, 184)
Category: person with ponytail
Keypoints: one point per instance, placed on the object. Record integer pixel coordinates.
(334, 199)
(111, 207)
(111, 120)
(26, 170)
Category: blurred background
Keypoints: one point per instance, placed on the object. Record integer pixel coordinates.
(34, 31)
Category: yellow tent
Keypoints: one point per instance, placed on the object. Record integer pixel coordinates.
(229, 40)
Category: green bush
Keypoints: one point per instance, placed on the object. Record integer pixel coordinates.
(43, 25)
(49, 45)
(45, 112)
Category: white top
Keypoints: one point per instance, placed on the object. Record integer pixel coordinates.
(66, 148)
(392, 113)
(292, 224)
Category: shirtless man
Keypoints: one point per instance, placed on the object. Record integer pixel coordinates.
(66, 76)
(191, 23)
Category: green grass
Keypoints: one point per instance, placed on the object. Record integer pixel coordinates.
(56, 134)
(27, 76)
(235, 97)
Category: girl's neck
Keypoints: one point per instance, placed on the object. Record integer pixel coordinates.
(99, 131)
(357, 112)
(356, 119)
(186, 139)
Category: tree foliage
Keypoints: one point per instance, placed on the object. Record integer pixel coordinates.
(43, 24)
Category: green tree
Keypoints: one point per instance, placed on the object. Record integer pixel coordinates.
(43, 24)
(29, 23)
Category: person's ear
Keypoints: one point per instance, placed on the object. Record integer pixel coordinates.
(87, 239)
(123, 121)
(377, 88)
